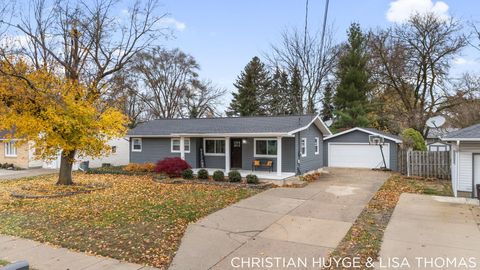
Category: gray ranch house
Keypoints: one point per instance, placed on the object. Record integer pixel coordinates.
(275, 147)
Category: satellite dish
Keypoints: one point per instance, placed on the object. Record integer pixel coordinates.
(436, 121)
(329, 122)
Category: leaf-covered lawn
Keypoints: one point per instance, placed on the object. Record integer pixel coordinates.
(364, 239)
(136, 219)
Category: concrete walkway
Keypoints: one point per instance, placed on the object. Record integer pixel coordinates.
(45, 257)
(11, 174)
(426, 230)
(283, 222)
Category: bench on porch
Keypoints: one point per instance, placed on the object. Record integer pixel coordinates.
(262, 163)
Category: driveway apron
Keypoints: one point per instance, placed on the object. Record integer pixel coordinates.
(306, 222)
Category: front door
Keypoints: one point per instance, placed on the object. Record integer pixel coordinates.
(236, 154)
(476, 173)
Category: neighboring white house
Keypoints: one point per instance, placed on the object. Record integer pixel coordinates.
(465, 159)
(118, 157)
(434, 142)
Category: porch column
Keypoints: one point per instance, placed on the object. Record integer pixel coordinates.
(279, 155)
(227, 154)
(182, 148)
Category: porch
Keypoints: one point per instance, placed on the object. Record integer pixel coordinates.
(262, 175)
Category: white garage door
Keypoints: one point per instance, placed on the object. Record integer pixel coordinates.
(357, 155)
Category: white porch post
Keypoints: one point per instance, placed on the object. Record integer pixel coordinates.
(279, 155)
(182, 148)
(227, 154)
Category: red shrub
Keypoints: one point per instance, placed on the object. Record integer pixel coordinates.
(173, 166)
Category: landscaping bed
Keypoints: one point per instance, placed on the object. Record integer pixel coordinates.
(364, 239)
(136, 219)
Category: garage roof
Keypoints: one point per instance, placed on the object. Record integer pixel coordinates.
(471, 133)
(371, 131)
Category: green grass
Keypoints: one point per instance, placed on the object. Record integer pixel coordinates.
(3, 262)
(136, 219)
(364, 239)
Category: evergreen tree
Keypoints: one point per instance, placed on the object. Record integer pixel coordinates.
(350, 99)
(295, 105)
(327, 103)
(275, 100)
(252, 87)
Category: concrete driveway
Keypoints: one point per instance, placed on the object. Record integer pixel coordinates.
(426, 231)
(11, 174)
(282, 222)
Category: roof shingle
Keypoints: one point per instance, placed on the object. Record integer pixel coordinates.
(471, 132)
(256, 124)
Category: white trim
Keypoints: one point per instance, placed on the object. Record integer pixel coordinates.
(322, 125)
(227, 154)
(255, 147)
(223, 135)
(363, 130)
(133, 145)
(212, 154)
(12, 147)
(461, 139)
(317, 145)
(179, 139)
(279, 155)
(303, 140)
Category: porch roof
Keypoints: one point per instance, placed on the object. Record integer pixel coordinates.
(229, 126)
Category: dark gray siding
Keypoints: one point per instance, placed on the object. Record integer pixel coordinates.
(358, 136)
(311, 161)
(155, 149)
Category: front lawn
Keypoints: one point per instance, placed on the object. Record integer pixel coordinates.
(364, 239)
(134, 219)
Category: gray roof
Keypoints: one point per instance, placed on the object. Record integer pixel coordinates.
(471, 132)
(434, 133)
(383, 133)
(257, 124)
(3, 133)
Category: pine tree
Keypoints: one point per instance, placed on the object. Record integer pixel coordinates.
(252, 87)
(296, 94)
(327, 103)
(275, 100)
(350, 99)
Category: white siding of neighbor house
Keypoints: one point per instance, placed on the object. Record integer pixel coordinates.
(462, 170)
(121, 157)
(32, 162)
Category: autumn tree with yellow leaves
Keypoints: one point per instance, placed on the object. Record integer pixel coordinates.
(54, 80)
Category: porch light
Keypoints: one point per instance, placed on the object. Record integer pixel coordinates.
(244, 141)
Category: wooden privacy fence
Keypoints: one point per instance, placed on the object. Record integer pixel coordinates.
(424, 163)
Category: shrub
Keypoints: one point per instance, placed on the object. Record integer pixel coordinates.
(218, 176)
(187, 174)
(139, 167)
(172, 167)
(413, 139)
(252, 179)
(202, 174)
(234, 176)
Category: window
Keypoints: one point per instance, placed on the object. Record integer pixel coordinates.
(10, 149)
(317, 146)
(265, 147)
(114, 149)
(303, 147)
(214, 147)
(136, 145)
(175, 146)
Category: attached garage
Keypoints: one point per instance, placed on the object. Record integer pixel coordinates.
(351, 149)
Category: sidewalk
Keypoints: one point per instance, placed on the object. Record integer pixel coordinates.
(44, 257)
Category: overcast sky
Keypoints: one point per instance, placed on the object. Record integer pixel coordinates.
(224, 35)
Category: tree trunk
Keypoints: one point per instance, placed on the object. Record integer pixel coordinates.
(66, 164)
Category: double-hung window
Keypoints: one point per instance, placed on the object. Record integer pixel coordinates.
(214, 147)
(10, 149)
(303, 147)
(136, 145)
(317, 145)
(265, 147)
(175, 145)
